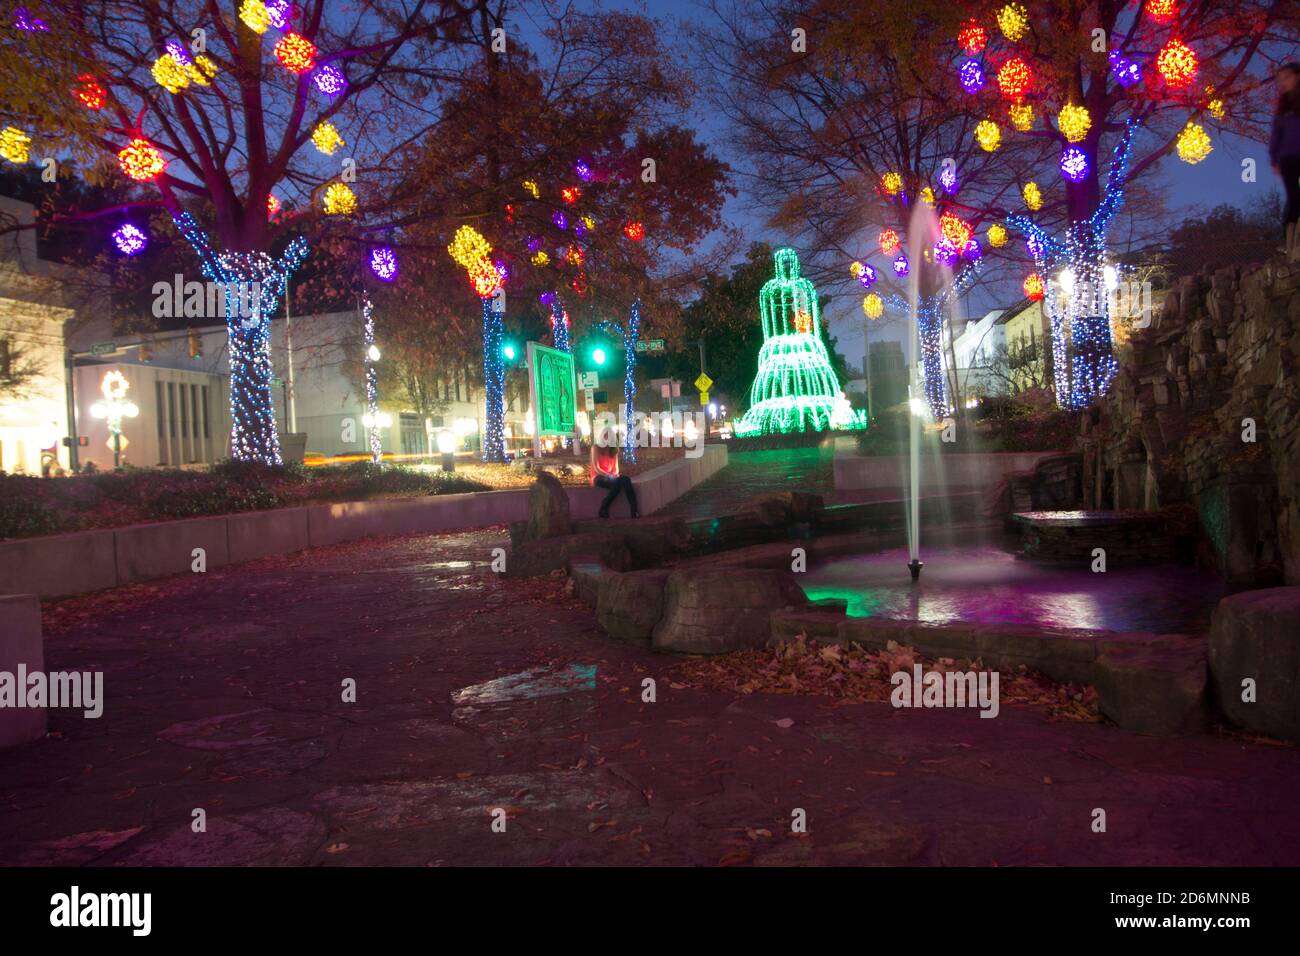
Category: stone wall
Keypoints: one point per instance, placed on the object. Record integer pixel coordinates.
(1173, 431)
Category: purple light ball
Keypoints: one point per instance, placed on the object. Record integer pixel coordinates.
(383, 263)
(129, 239)
(900, 266)
(1074, 164)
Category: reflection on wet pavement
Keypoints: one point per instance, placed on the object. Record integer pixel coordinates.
(528, 684)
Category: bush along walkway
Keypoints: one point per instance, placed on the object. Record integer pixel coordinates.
(389, 701)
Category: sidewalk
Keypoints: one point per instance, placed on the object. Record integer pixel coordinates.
(223, 693)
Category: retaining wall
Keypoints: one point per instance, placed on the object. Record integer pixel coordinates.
(60, 565)
(979, 470)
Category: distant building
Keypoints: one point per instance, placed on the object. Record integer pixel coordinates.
(888, 375)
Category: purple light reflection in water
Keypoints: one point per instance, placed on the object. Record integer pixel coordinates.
(988, 585)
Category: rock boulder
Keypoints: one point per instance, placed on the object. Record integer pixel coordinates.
(713, 612)
(1255, 635)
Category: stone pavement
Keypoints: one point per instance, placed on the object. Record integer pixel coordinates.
(750, 473)
(224, 693)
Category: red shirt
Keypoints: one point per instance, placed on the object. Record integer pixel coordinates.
(604, 461)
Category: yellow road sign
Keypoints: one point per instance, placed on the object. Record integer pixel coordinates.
(703, 383)
(704, 398)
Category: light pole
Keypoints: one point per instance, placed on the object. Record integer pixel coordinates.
(114, 408)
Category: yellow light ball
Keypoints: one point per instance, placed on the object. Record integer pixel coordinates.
(340, 200)
(540, 259)
(1193, 144)
(530, 187)
(255, 15)
(1033, 196)
(873, 306)
(927, 196)
(988, 135)
(997, 235)
(468, 246)
(201, 70)
(15, 145)
(1022, 116)
(1074, 121)
(892, 183)
(1013, 21)
(326, 138)
(170, 73)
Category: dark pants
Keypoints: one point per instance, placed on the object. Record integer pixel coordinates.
(616, 485)
(1290, 168)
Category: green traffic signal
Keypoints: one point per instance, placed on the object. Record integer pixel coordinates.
(598, 356)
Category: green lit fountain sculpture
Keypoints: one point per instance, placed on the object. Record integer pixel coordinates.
(796, 389)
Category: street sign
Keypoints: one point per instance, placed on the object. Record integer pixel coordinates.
(703, 383)
(103, 348)
(704, 398)
(550, 381)
(590, 380)
(650, 345)
(589, 396)
(121, 447)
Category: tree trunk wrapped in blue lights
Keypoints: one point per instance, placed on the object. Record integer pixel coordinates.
(253, 283)
(796, 389)
(494, 383)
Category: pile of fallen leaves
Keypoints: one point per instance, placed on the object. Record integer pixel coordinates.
(856, 674)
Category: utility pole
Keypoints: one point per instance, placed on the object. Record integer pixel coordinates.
(866, 362)
(291, 392)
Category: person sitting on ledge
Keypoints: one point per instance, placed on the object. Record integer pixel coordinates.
(604, 474)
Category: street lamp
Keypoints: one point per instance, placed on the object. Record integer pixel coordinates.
(114, 408)
(447, 448)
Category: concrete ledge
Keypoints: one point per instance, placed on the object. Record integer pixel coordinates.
(255, 534)
(59, 564)
(21, 643)
(66, 564)
(156, 550)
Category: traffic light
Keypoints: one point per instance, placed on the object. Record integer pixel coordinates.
(196, 344)
(145, 352)
(598, 355)
(509, 352)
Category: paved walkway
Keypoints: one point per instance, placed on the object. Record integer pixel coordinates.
(224, 694)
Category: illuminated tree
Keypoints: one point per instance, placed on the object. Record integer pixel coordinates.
(221, 116)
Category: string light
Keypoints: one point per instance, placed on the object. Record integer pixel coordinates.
(560, 325)
(795, 388)
(15, 145)
(873, 306)
(1074, 122)
(468, 246)
(866, 276)
(486, 277)
(1013, 21)
(583, 170)
(927, 196)
(1033, 196)
(997, 235)
(540, 259)
(1193, 143)
(170, 74)
(140, 160)
(330, 80)
(956, 230)
(573, 256)
(1074, 164)
(1177, 63)
(25, 20)
(945, 253)
(531, 188)
(570, 194)
(971, 38)
(634, 231)
(383, 263)
(253, 434)
(296, 53)
(273, 207)
(326, 138)
(1022, 116)
(988, 135)
(891, 183)
(280, 13)
(255, 15)
(1033, 287)
(1015, 79)
(371, 419)
(972, 76)
(339, 200)
(201, 70)
(889, 241)
(1126, 71)
(90, 93)
(559, 220)
(588, 223)
(948, 178)
(1162, 11)
(129, 239)
(1213, 103)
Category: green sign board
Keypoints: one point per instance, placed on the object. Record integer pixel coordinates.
(551, 380)
(103, 348)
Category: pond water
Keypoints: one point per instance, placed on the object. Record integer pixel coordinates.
(990, 585)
